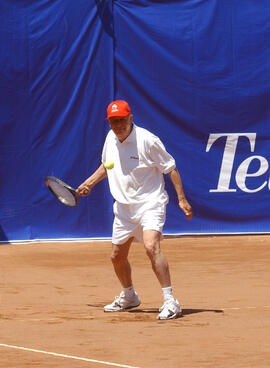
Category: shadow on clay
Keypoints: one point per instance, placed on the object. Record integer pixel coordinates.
(186, 312)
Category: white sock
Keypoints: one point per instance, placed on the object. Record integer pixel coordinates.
(167, 293)
(129, 292)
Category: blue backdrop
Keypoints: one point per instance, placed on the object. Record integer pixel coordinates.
(195, 72)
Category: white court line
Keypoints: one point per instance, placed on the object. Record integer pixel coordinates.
(66, 356)
(237, 308)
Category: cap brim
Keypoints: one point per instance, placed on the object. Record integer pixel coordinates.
(117, 116)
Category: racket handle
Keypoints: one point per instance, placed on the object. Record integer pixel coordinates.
(85, 191)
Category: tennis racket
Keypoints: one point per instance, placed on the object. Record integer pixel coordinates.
(62, 191)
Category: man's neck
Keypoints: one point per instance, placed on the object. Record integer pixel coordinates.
(121, 141)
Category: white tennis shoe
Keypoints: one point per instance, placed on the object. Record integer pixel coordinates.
(122, 303)
(171, 309)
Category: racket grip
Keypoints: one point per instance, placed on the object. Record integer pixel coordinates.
(85, 191)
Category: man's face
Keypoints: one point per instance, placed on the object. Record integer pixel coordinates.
(121, 126)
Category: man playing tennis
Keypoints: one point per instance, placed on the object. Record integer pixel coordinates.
(137, 185)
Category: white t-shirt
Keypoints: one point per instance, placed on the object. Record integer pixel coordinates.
(139, 164)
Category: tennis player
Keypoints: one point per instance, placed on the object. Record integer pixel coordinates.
(137, 185)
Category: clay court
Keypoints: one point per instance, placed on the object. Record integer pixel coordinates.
(52, 297)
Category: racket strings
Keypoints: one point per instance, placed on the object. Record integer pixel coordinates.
(62, 193)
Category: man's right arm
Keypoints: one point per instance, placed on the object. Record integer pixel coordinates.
(88, 184)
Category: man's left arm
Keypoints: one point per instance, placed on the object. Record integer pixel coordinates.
(182, 201)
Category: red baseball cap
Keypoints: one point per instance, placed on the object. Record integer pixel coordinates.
(118, 108)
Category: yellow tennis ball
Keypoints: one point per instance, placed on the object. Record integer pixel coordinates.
(109, 164)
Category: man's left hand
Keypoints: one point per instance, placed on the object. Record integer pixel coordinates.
(186, 208)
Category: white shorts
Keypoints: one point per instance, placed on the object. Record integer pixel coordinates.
(131, 220)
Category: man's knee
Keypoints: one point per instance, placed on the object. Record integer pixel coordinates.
(152, 247)
(117, 256)
(120, 252)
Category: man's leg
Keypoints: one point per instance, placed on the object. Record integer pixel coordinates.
(128, 298)
(119, 258)
(171, 308)
(151, 239)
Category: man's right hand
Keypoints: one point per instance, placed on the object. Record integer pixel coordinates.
(83, 190)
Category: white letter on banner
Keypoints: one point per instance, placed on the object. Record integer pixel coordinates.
(228, 157)
(242, 173)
